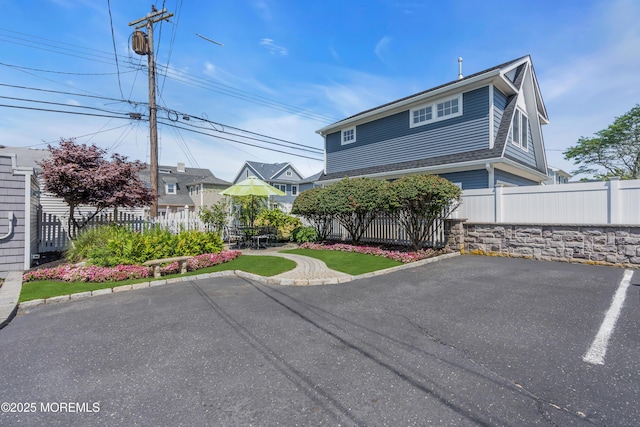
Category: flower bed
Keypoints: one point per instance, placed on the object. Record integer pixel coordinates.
(201, 261)
(92, 273)
(404, 257)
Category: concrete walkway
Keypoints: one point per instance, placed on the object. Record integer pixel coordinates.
(308, 271)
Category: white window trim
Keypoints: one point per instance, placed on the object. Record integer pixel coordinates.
(288, 173)
(518, 114)
(434, 111)
(296, 189)
(342, 132)
(167, 188)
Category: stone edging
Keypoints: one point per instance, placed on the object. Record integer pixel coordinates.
(22, 307)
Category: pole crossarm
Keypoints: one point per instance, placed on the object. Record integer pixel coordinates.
(150, 17)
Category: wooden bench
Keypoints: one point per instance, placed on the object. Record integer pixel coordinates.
(155, 263)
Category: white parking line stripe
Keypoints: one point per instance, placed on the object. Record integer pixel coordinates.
(595, 354)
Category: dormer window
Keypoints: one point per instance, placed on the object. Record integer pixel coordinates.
(171, 188)
(520, 130)
(349, 136)
(435, 111)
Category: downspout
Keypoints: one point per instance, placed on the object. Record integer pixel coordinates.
(492, 175)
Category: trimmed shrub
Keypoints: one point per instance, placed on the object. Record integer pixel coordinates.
(304, 235)
(112, 245)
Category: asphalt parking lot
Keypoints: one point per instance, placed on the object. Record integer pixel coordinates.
(465, 341)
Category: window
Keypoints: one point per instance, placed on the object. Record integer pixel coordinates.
(349, 136)
(435, 111)
(294, 190)
(422, 115)
(288, 173)
(520, 130)
(171, 188)
(447, 108)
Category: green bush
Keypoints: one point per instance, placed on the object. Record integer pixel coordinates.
(87, 241)
(112, 245)
(304, 235)
(282, 222)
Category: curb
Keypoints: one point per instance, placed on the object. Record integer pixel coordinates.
(25, 306)
(9, 297)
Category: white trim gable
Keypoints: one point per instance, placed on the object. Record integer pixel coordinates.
(528, 103)
(242, 174)
(284, 169)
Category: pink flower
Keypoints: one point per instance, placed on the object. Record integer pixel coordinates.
(404, 257)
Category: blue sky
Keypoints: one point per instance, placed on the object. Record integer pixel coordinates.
(288, 68)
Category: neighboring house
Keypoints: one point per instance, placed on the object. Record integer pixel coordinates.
(185, 187)
(478, 131)
(181, 187)
(283, 176)
(557, 176)
(18, 215)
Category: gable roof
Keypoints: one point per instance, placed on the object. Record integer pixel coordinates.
(497, 75)
(267, 171)
(511, 78)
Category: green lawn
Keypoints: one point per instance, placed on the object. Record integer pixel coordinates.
(348, 262)
(261, 265)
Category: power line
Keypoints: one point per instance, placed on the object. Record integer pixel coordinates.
(239, 142)
(58, 103)
(72, 93)
(113, 39)
(202, 82)
(61, 111)
(62, 72)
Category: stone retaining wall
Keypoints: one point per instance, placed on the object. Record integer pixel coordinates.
(597, 244)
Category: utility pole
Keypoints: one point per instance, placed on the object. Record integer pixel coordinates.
(145, 47)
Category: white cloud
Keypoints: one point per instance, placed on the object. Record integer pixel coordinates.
(382, 49)
(585, 92)
(274, 48)
(209, 69)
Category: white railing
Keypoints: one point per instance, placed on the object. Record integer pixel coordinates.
(611, 202)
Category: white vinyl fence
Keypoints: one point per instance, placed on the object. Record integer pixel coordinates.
(612, 202)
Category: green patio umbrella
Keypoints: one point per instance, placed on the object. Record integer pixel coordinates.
(253, 187)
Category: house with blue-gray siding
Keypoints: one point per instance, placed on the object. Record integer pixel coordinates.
(479, 131)
(283, 176)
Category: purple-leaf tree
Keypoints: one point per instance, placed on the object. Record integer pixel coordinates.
(82, 176)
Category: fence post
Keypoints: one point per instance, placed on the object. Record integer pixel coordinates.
(614, 200)
(497, 194)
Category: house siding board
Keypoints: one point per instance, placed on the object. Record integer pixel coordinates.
(516, 153)
(470, 180)
(391, 140)
(499, 104)
(12, 248)
(509, 178)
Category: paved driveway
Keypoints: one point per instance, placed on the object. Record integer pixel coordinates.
(466, 341)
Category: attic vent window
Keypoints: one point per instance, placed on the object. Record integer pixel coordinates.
(349, 136)
(164, 170)
(288, 173)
